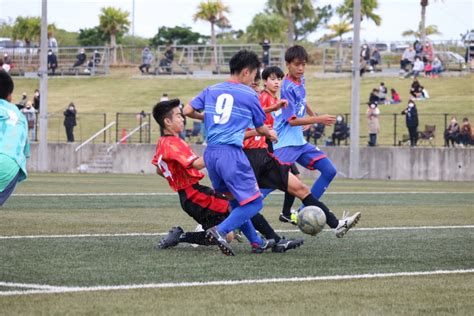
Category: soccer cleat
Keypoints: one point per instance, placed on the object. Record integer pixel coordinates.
(286, 244)
(267, 244)
(214, 237)
(172, 239)
(292, 219)
(346, 223)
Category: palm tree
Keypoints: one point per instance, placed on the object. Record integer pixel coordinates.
(423, 27)
(112, 22)
(338, 30)
(28, 29)
(428, 30)
(367, 8)
(212, 11)
(291, 10)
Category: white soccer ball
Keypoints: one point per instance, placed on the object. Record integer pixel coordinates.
(311, 220)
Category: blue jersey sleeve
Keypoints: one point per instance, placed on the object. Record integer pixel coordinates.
(198, 103)
(289, 111)
(258, 115)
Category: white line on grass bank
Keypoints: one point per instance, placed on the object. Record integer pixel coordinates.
(47, 289)
(172, 193)
(278, 231)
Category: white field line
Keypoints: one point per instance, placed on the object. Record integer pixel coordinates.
(277, 193)
(47, 289)
(278, 231)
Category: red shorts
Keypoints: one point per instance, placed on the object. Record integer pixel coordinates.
(202, 203)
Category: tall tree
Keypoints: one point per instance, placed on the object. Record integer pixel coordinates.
(92, 37)
(420, 34)
(270, 26)
(28, 29)
(112, 21)
(213, 11)
(338, 30)
(301, 16)
(178, 35)
(367, 8)
(423, 27)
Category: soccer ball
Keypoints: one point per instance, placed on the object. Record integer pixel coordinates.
(311, 220)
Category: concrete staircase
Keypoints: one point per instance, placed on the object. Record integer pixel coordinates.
(100, 162)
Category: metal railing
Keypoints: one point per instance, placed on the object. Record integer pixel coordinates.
(103, 130)
(127, 136)
(393, 130)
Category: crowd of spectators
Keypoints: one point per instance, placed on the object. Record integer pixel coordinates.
(420, 60)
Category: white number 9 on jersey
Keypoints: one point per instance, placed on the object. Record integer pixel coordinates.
(224, 105)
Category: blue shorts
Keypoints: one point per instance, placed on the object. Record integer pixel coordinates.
(230, 171)
(5, 194)
(306, 155)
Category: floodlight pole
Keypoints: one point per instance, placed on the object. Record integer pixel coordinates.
(355, 102)
(43, 161)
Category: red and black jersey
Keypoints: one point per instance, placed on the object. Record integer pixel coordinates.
(175, 158)
(266, 100)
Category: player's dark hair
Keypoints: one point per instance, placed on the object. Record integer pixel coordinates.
(296, 52)
(267, 72)
(243, 59)
(258, 77)
(163, 110)
(6, 85)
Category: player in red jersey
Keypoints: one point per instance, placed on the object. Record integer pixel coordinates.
(176, 162)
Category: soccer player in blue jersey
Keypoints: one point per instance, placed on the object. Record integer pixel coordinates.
(292, 146)
(14, 145)
(229, 109)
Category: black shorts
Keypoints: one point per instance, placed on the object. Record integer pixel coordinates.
(202, 203)
(294, 169)
(269, 171)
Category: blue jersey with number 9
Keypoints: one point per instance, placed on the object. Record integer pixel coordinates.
(229, 109)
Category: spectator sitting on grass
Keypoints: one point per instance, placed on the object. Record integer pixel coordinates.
(428, 69)
(375, 59)
(395, 97)
(437, 67)
(407, 60)
(416, 89)
(418, 67)
(374, 96)
(382, 93)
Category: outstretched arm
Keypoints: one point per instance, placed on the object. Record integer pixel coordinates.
(189, 111)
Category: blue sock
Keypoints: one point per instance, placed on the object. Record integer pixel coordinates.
(239, 215)
(328, 172)
(249, 231)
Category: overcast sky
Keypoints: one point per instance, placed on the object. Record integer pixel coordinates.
(451, 16)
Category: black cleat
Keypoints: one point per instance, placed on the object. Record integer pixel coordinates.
(286, 244)
(267, 244)
(287, 219)
(172, 239)
(214, 237)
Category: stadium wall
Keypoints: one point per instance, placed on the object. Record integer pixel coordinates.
(396, 163)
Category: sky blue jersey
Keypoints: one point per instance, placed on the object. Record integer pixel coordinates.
(289, 135)
(229, 109)
(14, 135)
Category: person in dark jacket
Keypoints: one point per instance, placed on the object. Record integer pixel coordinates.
(52, 61)
(70, 121)
(80, 58)
(411, 115)
(341, 132)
